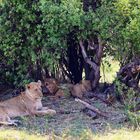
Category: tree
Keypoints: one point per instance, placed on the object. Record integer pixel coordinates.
(48, 38)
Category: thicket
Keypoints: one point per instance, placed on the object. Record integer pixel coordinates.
(41, 38)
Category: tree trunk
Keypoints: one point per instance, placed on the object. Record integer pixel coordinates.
(93, 54)
(94, 64)
(75, 62)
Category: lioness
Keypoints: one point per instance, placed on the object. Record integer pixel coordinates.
(27, 103)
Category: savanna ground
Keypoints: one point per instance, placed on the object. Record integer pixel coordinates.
(71, 122)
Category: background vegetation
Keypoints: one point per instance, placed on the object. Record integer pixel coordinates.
(70, 40)
(40, 38)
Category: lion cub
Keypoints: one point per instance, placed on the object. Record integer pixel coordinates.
(53, 88)
(27, 103)
(81, 88)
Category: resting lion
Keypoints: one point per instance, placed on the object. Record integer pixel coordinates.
(27, 103)
(53, 88)
(81, 88)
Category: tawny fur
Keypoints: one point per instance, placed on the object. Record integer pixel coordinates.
(81, 88)
(52, 85)
(27, 103)
(86, 84)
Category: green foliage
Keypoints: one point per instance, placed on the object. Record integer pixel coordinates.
(119, 26)
(35, 32)
(120, 90)
(134, 119)
(19, 37)
(129, 98)
(130, 104)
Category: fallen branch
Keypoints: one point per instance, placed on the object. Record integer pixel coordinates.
(94, 109)
(129, 74)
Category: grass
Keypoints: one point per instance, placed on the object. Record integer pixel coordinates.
(120, 135)
(75, 125)
(19, 135)
(11, 134)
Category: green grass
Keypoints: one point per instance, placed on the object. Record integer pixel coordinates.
(11, 134)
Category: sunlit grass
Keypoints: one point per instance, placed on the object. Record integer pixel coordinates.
(19, 135)
(120, 135)
(109, 69)
(123, 134)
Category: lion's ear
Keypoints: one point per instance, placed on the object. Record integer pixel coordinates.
(54, 82)
(39, 82)
(28, 86)
(46, 83)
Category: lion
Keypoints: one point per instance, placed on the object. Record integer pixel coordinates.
(86, 84)
(27, 103)
(53, 88)
(79, 89)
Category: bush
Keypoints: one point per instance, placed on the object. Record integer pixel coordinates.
(33, 35)
(129, 98)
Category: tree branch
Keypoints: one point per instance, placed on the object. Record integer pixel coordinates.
(94, 109)
(87, 60)
(99, 52)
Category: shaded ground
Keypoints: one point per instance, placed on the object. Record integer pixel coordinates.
(76, 120)
(71, 119)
